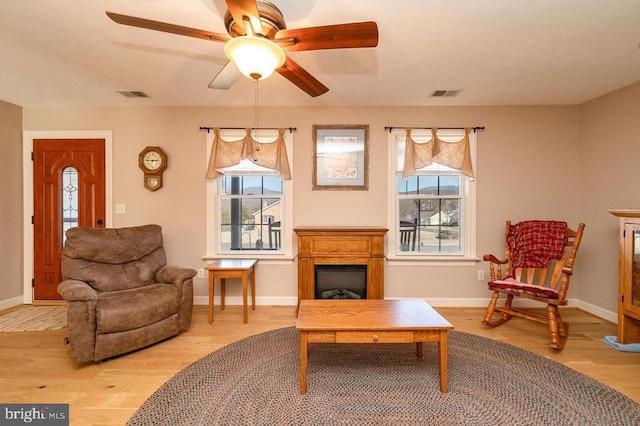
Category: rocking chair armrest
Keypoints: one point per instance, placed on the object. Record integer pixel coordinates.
(496, 270)
(491, 258)
(567, 271)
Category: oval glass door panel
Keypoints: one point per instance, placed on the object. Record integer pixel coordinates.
(69, 204)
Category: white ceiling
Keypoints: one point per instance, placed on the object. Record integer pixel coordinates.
(497, 52)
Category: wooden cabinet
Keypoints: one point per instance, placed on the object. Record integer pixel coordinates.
(628, 276)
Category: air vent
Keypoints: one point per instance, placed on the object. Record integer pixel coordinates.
(444, 93)
(133, 93)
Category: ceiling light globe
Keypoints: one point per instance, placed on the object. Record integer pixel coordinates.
(255, 57)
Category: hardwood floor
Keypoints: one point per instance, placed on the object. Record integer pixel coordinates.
(36, 367)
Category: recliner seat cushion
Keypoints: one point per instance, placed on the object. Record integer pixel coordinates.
(134, 308)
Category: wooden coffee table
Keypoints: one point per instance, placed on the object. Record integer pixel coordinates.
(371, 321)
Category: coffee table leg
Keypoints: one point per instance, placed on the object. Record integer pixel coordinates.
(419, 349)
(443, 360)
(303, 362)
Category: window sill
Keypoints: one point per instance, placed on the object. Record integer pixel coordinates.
(432, 261)
(270, 259)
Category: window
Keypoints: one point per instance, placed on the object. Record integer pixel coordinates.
(434, 208)
(69, 203)
(248, 205)
(248, 212)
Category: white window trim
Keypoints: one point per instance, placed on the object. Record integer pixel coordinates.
(211, 199)
(469, 257)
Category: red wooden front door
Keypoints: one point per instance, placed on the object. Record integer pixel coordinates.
(68, 191)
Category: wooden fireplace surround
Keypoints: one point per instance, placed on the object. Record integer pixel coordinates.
(340, 246)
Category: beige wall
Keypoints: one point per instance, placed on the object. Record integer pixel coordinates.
(564, 162)
(527, 168)
(10, 204)
(609, 175)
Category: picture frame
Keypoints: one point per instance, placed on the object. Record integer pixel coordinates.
(341, 157)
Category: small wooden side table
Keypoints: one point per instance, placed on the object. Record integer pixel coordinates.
(232, 268)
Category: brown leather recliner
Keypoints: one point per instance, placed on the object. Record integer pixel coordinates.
(121, 295)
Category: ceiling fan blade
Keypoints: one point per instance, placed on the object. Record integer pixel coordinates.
(225, 77)
(301, 78)
(240, 9)
(340, 36)
(167, 28)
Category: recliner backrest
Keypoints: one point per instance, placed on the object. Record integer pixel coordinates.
(112, 259)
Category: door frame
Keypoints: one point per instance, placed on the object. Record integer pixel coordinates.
(27, 190)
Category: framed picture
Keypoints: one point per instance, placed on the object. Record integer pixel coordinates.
(341, 157)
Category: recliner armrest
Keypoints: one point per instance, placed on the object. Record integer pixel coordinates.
(76, 291)
(181, 278)
(174, 274)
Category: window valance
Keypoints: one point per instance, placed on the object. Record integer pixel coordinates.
(272, 155)
(456, 155)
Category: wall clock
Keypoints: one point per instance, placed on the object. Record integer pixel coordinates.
(153, 161)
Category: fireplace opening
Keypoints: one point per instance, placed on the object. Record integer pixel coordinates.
(340, 281)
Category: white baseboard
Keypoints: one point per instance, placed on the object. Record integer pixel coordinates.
(458, 302)
(482, 302)
(10, 303)
(598, 311)
(442, 302)
(237, 300)
(438, 302)
(292, 301)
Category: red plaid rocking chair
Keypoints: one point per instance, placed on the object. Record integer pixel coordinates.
(538, 263)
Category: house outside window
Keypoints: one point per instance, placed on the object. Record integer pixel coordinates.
(433, 209)
(248, 211)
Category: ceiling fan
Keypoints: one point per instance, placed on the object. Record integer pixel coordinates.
(262, 19)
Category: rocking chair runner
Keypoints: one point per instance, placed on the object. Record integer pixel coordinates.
(538, 263)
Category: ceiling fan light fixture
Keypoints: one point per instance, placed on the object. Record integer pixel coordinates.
(255, 57)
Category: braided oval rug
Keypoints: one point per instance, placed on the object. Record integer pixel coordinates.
(255, 381)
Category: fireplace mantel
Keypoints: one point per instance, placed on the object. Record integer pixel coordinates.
(332, 245)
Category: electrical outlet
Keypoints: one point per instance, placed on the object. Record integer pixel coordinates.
(121, 208)
(201, 273)
(480, 275)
